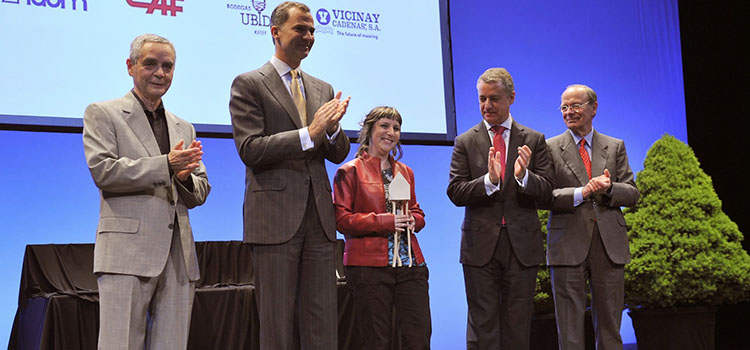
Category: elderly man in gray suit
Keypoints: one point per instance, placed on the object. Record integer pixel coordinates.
(147, 166)
(587, 237)
(285, 124)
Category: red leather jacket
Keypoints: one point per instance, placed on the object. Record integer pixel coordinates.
(359, 201)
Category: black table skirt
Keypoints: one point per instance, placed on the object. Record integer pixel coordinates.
(59, 309)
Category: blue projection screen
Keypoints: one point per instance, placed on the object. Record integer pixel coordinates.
(61, 55)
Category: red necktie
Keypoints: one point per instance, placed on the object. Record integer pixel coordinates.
(499, 144)
(585, 157)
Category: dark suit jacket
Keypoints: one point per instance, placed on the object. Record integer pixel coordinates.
(483, 214)
(139, 198)
(265, 125)
(569, 227)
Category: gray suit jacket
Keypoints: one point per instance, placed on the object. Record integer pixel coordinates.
(139, 198)
(483, 214)
(569, 227)
(278, 174)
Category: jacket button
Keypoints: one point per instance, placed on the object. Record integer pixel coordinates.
(171, 226)
(171, 202)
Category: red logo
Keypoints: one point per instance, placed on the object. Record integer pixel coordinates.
(164, 5)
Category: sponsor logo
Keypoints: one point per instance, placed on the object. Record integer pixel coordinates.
(75, 5)
(252, 16)
(341, 22)
(323, 16)
(166, 6)
(259, 6)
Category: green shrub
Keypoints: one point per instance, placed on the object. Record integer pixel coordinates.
(543, 292)
(684, 250)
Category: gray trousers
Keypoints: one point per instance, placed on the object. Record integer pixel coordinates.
(297, 280)
(606, 281)
(167, 299)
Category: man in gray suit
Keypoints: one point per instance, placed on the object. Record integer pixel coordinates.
(285, 124)
(144, 255)
(587, 237)
(501, 237)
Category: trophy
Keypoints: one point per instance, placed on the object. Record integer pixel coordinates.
(399, 192)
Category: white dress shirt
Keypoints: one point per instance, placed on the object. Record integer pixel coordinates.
(285, 73)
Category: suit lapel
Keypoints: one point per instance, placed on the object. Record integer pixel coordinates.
(277, 89)
(516, 139)
(572, 158)
(598, 155)
(312, 94)
(133, 114)
(482, 144)
(175, 133)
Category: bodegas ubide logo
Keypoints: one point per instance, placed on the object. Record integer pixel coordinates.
(259, 6)
(165, 6)
(252, 15)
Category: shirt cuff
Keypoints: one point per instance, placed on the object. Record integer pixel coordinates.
(305, 140)
(332, 138)
(577, 196)
(523, 182)
(489, 187)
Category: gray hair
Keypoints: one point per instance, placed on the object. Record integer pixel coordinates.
(137, 45)
(498, 75)
(590, 94)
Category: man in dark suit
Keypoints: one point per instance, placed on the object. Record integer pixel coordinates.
(587, 237)
(501, 241)
(285, 124)
(147, 166)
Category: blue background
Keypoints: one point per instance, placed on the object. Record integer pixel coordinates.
(628, 51)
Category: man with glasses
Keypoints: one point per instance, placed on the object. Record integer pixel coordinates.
(587, 238)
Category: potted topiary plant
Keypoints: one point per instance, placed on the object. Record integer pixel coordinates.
(543, 303)
(543, 326)
(686, 254)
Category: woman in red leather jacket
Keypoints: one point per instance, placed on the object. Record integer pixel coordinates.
(364, 216)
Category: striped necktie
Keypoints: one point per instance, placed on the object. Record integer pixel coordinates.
(585, 157)
(499, 144)
(299, 100)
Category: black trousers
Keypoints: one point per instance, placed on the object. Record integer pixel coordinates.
(377, 291)
(500, 295)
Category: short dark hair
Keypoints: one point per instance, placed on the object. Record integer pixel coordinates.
(281, 13)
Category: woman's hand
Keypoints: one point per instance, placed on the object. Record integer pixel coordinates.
(402, 222)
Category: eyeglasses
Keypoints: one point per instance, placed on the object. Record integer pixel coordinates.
(575, 107)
